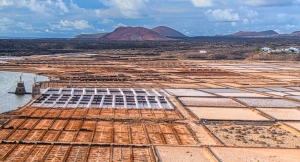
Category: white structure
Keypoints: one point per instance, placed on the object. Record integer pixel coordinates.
(278, 51)
(3, 62)
(8, 58)
(266, 49)
(275, 51)
(294, 50)
(202, 51)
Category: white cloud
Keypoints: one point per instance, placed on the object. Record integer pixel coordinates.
(6, 3)
(71, 25)
(5, 23)
(78, 24)
(245, 21)
(263, 3)
(107, 21)
(284, 18)
(62, 6)
(48, 31)
(76, 8)
(101, 30)
(289, 26)
(125, 4)
(202, 3)
(120, 25)
(33, 6)
(5, 20)
(128, 8)
(278, 31)
(248, 12)
(104, 13)
(24, 26)
(9, 24)
(3, 28)
(49, 2)
(44, 7)
(222, 15)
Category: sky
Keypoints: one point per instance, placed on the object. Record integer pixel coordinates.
(67, 18)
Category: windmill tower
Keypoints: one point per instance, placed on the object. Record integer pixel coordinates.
(36, 88)
(20, 87)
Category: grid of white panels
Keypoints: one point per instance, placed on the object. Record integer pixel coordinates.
(104, 98)
(105, 91)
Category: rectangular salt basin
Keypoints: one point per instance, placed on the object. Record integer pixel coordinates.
(260, 89)
(288, 68)
(250, 66)
(282, 76)
(295, 125)
(203, 136)
(294, 97)
(188, 92)
(180, 154)
(248, 71)
(294, 93)
(226, 113)
(256, 154)
(235, 68)
(281, 89)
(261, 68)
(240, 95)
(214, 102)
(183, 85)
(296, 88)
(249, 135)
(221, 90)
(278, 93)
(282, 114)
(256, 102)
(224, 67)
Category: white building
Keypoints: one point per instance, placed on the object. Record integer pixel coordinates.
(266, 49)
(294, 50)
(202, 51)
(278, 51)
(275, 51)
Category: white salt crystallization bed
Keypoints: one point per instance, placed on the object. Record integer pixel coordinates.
(103, 98)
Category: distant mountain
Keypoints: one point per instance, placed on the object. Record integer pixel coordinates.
(168, 32)
(254, 34)
(165, 33)
(133, 34)
(262, 34)
(90, 36)
(295, 33)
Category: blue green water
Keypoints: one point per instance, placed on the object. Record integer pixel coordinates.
(8, 83)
